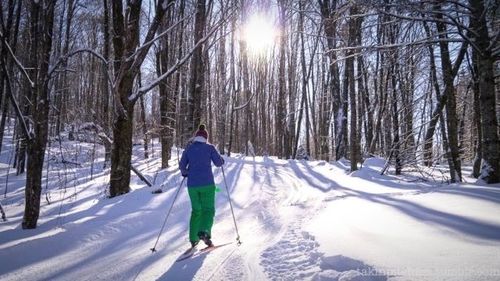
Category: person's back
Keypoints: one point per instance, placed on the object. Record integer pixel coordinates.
(196, 162)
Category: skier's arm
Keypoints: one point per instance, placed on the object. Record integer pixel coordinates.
(216, 157)
(184, 163)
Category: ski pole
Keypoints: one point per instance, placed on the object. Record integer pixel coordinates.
(168, 214)
(231, 205)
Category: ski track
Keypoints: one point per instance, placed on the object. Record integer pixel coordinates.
(294, 254)
(274, 245)
(284, 251)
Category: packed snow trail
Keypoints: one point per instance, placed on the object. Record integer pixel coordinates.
(298, 220)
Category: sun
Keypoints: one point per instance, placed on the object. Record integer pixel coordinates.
(259, 34)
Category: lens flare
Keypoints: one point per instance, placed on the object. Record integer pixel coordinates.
(259, 34)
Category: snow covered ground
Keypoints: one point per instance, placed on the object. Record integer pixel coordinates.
(297, 221)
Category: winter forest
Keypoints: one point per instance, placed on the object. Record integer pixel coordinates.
(106, 94)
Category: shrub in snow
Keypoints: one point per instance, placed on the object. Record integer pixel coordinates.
(251, 150)
(302, 153)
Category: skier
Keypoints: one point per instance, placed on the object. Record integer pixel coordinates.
(195, 165)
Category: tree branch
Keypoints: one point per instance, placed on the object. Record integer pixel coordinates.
(144, 89)
(19, 114)
(147, 44)
(18, 63)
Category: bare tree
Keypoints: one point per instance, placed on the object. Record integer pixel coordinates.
(354, 145)
(8, 39)
(197, 73)
(41, 26)
(129, 57)
(328, 13)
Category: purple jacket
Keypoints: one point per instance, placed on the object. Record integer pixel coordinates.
(196, 163)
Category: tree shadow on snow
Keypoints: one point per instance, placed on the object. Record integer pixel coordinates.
(134, 228)
(454, 222)
(490, 194)
(313, 178)
(469, 226)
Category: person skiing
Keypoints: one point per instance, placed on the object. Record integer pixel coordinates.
(196, 165)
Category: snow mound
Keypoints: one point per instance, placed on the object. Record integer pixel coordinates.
(344, 268)
(370, 169)
(374, 163)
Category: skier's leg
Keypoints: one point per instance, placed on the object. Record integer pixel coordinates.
(196, 210)
(207, 200)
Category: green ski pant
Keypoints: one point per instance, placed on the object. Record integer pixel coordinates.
(202, 210)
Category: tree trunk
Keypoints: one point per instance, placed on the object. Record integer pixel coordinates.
(105, 93)
(343, 137)
(367, 105)
(328, 10)
(10, 34)
(477, 127)
(490, 168)
(144, 127)
(121, 154)
(42, 21)
(126, 44)
(281, 98)
(197, 73)
(222, 106)
(380, 88)
(162, 62)
(396, 145)
(354, 144)
(451, 103)
(232, 87)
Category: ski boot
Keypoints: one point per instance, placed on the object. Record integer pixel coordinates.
(205, 238)
(194, 244)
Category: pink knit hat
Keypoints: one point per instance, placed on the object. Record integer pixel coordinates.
(202, 132)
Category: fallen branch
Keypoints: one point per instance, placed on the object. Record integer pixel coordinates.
(141, 176)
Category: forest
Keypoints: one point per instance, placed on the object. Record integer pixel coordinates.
(414, 82)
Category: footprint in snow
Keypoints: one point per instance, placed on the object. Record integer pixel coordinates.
(295, 257)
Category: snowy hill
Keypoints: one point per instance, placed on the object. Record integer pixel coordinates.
(298, 220)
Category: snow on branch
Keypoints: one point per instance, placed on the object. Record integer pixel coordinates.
(148, 43)
(18, 63)
(29, 135)
(369, 48)
(67, 56)
(239, 107)
(141, 52)
(452, 20)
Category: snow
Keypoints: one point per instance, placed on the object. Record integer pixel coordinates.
(298, 220)
(486, 170)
